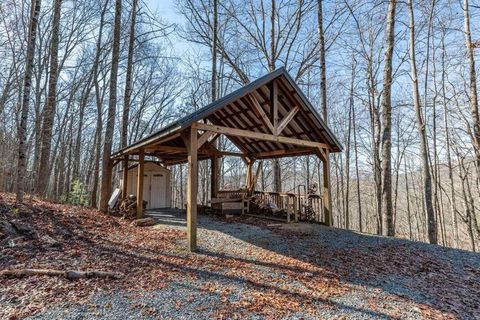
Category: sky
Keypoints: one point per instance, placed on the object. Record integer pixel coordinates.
(166, 8)
(167, 11)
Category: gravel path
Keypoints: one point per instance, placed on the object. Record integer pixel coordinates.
(375, 277)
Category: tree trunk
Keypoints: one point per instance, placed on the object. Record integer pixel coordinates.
(214, 51)
(112, 103)
(277, 173)
(473, 87)
(27, 82)
(98, 100)
(427, 179)
(78, 139)
(357, 175)
(347, 151)
(50, 107)
(453, 204)
(387, 121)
(323, 70)
(128, 77)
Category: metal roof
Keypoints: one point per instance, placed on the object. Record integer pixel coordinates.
(235, 110)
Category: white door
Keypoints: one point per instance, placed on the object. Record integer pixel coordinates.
(158, 191)
(146, 190)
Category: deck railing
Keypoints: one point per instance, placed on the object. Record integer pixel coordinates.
(298, 206)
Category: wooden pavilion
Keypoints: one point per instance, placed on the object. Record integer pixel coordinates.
(266, 119)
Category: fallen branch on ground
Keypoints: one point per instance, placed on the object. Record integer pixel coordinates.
(70, 274)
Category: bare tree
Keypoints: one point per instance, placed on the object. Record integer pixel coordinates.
(214, 50)
(473, 86)
(22, 129)
(128, 77)
(323, 69)
(387, 120)
(49, 111)
(106, 186)
(427, 179)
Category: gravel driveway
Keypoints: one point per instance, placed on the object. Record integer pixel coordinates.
(324, 273)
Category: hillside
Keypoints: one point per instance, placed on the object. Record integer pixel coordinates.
(245, 269)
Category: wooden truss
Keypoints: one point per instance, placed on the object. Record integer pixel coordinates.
(269, 118)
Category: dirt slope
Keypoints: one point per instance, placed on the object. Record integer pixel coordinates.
(245, 269)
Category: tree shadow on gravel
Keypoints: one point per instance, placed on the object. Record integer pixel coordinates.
(167, 262)
(210, 267)
(446, 279)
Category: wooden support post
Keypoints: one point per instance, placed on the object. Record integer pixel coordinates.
(192, 190)
(327, 206)
(214, 176)
(140, 170)
(125, 177)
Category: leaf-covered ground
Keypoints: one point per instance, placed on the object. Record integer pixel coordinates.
(244, 269)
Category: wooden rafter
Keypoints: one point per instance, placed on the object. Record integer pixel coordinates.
(261, 113)
(274, 109)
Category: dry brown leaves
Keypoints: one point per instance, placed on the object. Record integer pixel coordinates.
(151, 258)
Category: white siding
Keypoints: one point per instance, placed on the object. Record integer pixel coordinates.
(158, 198)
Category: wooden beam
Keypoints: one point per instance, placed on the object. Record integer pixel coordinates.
(140, 170)
(258, 135)
(287, 119)
(257, 108)
(176, 150)
(231, 154)
(286, 153)
(322, 154)
(125, 177)
(152, 141)
(204, 138)
(192, 190)
(167, 149)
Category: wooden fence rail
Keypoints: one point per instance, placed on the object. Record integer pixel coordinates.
(299, 206)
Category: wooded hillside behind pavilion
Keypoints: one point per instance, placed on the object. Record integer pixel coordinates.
(396, 82)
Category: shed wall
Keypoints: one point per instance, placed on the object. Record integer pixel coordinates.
(156, 185)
